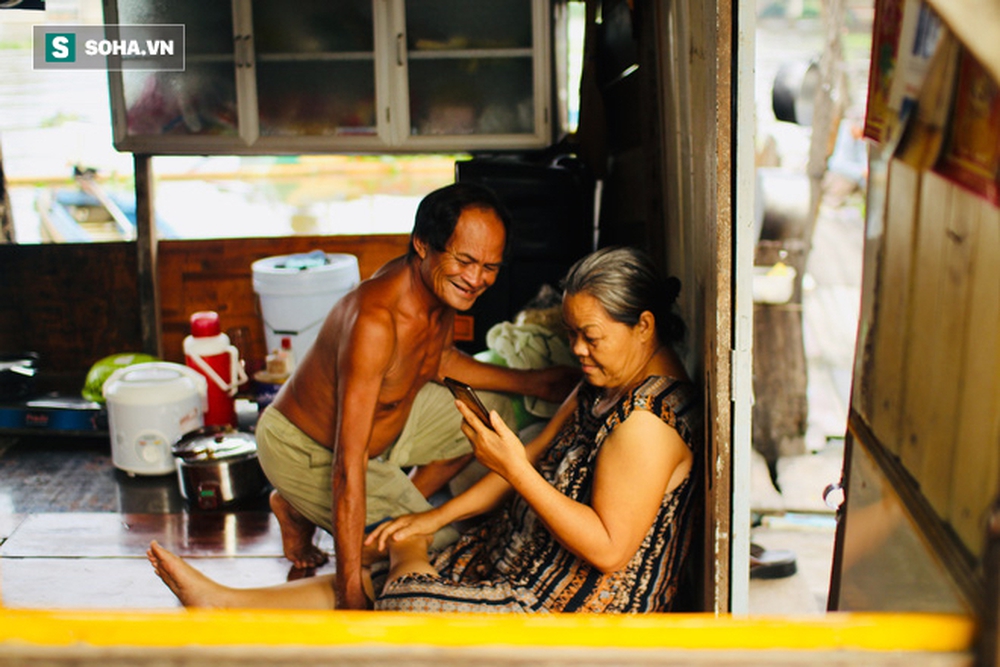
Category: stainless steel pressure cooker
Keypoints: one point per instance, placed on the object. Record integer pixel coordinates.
(217, 466)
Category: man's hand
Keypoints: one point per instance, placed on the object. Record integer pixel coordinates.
(554, 383)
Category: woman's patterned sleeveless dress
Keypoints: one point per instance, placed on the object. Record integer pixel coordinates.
(512, 563)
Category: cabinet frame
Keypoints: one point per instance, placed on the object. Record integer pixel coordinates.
(392, 103)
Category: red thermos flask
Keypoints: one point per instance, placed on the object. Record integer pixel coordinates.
(208, 351)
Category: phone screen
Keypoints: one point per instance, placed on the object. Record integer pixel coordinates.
(465, 393)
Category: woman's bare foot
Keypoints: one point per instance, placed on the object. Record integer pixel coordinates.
(410, 556)
(296, 534)
(190, 586)
(370, 554)
(366, 583)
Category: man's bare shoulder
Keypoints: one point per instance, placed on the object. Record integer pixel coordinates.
(371, 309)
(380, 294)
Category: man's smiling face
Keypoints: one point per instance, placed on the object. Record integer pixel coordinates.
(471, 260)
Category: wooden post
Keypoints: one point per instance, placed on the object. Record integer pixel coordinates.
(828, 109)
(145, 248)
(6, 219)
(989, 642)
(780, 373)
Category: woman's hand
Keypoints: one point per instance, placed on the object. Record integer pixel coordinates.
(499, 449)
(402, 527)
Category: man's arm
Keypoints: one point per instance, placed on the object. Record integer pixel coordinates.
(361, 366)
(549, 384)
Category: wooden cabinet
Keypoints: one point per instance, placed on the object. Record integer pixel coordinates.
(269, 77)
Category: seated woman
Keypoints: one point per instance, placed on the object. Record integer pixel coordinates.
(591, 515)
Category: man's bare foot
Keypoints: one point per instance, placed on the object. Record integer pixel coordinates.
(296, 534)
(190, 586)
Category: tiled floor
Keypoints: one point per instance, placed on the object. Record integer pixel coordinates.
(74, 531)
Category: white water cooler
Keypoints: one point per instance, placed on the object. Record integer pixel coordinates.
(297, 291)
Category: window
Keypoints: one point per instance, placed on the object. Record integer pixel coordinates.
(55, 131)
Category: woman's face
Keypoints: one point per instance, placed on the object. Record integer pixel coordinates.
(610, 352)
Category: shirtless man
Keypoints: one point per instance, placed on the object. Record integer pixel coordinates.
(363, 404)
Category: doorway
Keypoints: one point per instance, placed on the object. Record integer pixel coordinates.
(807, 291)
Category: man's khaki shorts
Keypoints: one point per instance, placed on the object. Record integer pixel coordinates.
(299, 467)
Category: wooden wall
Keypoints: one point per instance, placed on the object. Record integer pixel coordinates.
(928, 378)
(655, 128)
(686, 52)
(216, 275)
(925, 405)
(76, 303)
(71, 303)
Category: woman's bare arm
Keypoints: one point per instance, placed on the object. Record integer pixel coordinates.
(479, 498)
(638, 462)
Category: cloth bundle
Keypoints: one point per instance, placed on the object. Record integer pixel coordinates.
(530, 346)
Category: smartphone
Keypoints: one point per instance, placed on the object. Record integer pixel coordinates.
(465, 393)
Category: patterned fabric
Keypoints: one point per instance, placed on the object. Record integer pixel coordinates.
(512, 563)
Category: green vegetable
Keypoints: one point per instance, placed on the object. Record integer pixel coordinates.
(94, 384)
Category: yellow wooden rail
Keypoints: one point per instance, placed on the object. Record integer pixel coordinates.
(209, 628)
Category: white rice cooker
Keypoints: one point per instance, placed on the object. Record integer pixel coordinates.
(150, 407)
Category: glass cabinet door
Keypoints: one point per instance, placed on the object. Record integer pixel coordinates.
(470, 67)
(270, 77)
(315, 68)
(199, 102)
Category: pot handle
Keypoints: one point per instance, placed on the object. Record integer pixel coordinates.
(236, 371)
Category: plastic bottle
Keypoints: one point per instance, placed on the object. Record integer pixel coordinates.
(208, 351)
(288, 353)
(281, 362)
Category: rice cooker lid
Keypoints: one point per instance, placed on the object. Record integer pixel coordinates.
(215, 443)
(151, 382)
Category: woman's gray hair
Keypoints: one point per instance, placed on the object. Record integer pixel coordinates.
(626, 283)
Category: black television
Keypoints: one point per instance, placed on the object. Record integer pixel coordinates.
(551, 207)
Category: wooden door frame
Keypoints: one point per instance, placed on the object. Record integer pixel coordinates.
(705, 61)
